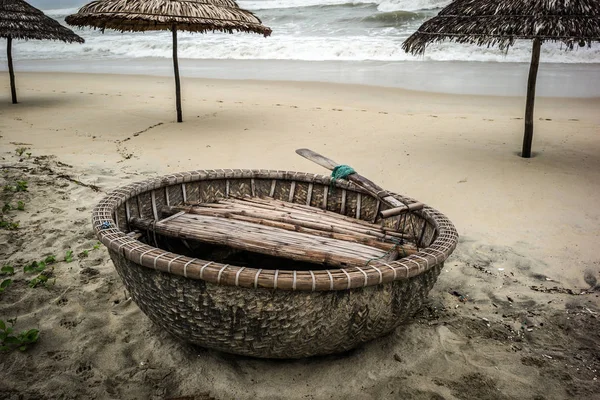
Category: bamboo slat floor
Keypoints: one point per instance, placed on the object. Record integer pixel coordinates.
(280, 229)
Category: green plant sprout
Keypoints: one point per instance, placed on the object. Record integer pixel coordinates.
(8, 225)
(4, 285)
(20, 151)
(69, 256)
(21, 341)
(21, 186)
(7, 270)
(35, 267)
(51, 259)
(41, 279)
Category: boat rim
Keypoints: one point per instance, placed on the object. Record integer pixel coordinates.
(374, 273)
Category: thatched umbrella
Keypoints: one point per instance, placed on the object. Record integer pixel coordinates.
(19, 20)
(184, 15)
(501, 22)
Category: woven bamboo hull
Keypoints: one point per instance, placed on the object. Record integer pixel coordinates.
(282, 313)
(272, 323)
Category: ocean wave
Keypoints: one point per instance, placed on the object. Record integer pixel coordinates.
(239, 46)
(392, 18)
(411, 5)
(279, 4)
(382, 5)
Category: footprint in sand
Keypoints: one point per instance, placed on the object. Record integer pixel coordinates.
(58, 355)
(67, 324)
(84, 370)
(62, 302)
(589, 277)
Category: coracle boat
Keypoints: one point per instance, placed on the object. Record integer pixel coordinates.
(273, 264)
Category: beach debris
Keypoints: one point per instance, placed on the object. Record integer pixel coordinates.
(461, 297)
(147, 129)
(560, 290)
(509, 299)
(481, 268)
(397, 357)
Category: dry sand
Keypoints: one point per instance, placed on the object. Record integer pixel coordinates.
(526, 327)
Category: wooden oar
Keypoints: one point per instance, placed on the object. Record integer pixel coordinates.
(360, 180)
(369, 186)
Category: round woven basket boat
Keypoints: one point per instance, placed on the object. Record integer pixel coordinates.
(270, 313)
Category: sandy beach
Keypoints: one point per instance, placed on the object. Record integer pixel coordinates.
(515, 313)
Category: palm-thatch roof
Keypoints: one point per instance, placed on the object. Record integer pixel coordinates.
(19, 20)
(501, 22)
(187, 15)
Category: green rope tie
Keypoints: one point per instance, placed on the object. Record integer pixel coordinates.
(340, 172)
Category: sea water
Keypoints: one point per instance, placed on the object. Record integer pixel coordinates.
(353, 35)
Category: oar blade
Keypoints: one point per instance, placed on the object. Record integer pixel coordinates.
(317, 158)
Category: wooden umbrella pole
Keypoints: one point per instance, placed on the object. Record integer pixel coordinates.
(11, 72)
(533, 70)
(176, 68)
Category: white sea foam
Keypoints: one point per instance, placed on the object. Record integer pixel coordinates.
(382, 5)
(411, 5)
(279, 4)
(239, 46)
